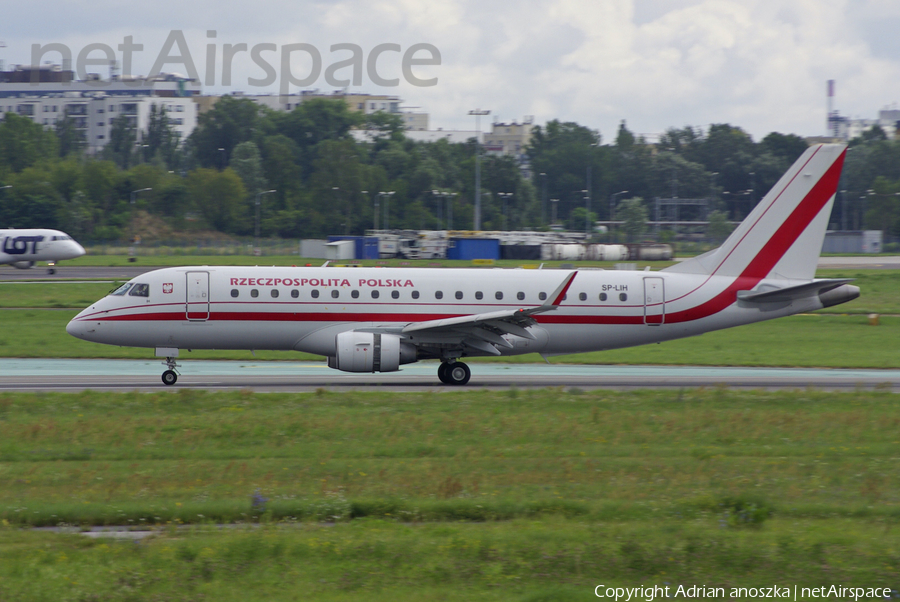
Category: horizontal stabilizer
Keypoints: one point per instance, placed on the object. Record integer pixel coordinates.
(809, 289)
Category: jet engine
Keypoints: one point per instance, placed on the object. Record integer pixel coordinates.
(22, 265)
(370, 352)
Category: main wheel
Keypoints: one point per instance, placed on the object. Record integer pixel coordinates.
(442, 373)
(458, 373)
(169, 377)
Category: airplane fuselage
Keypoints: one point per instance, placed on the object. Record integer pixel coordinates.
(303, 309)
(23, 247)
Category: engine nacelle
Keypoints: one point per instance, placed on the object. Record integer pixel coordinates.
(370, 352)
(22, 265)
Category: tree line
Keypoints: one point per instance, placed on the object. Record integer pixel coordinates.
(308, 177)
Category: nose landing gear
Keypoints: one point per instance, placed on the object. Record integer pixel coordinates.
(456, 373)
(169, 377)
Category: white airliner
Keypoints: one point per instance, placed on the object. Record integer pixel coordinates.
(375, 320)
(23, 248)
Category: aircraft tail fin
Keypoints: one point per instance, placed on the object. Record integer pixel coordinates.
(782, 237)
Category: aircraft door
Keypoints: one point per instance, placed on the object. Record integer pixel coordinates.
(197, 308)
(654, 301)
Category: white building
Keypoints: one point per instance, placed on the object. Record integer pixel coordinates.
(846, 128)
(356, 103)
(47, 94)
(509, 139)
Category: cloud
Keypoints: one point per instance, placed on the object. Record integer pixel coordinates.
(757, 64)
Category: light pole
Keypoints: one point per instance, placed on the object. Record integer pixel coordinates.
(587, 212)
(256, 230)
(505, 196)
(133, 194)
(387, 197)
(553, 203)
(450, 198)
(612, 211)
(438, 201)
(478, 113)
(843, 210)
(543, 197)
(222, 157)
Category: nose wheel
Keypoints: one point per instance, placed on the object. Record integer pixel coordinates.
(170, 377)
(456, 373)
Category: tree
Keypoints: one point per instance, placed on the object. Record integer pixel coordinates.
(219, 197)
(233, 120)
(719, 227)
(122, 137)
(564, 151)
(161, 139)
(633, 214)
(247, 163)
(70, 139)
(24, 143)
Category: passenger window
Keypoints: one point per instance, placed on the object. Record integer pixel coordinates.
(375, 294)
(520, 296)
(235, 293)
(121, 290)
(438, 295)
(295, 293)
(603, 296)
(479, 295)
(254, 293)
(140, 290)
(459, 295)
(623, 297)
(542, 296)
(395, 294)
(415, 294)
(314, 293)
(274, 293)
(498, 295)
(335, 293)
(582, 296)
(354, 294)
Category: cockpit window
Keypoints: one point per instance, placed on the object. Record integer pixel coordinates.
(140, 290)
(121, 290)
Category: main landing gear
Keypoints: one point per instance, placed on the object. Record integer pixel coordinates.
(169, 377)
(455, 373)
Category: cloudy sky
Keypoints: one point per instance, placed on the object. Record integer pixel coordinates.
(758, 64)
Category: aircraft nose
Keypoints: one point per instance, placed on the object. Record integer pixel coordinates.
(77, 250)
(77, 328)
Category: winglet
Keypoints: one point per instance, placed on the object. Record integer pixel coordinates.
(557, 297)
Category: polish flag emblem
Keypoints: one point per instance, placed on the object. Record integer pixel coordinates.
(167, 287)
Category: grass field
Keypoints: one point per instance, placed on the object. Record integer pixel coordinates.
(471, 495)
(801, 341)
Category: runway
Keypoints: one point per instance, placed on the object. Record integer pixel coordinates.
(297, 377)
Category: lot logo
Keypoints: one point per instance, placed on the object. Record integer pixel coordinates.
(21, 245)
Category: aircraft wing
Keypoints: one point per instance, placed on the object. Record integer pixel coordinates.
(483, 332)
